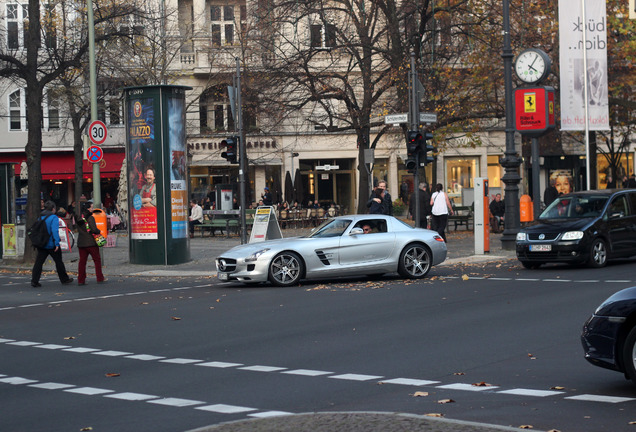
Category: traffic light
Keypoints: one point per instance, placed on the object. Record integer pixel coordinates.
(231, 149)
(413, 142)
(426, 149)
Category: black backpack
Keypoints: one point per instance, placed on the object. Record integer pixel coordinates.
(39, 233)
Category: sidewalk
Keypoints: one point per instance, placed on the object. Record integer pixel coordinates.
(204, 250)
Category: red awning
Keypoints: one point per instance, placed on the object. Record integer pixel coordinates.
(61, 166)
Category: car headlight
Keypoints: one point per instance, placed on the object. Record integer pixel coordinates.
(572, 235)
(255, 255)
(521, 236)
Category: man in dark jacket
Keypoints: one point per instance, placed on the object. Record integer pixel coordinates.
(631, 183)
(52, 248)
(425, 204)
(388, 202)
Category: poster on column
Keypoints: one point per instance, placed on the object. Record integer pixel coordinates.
(573, 69)
(178, 188)
(9, 238)
(142, 171)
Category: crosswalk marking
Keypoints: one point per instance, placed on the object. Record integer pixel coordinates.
(356, 377)
(259, 368)
(225, 409)
(217, 364)
(600, 398)
(530, 392)
(175, 402)
(180, 361)
(131, 396)
(89, 391)
(110, 353)
(410, 382)
(51, 346)
(466, 387)
(51, 386)
(306, 372)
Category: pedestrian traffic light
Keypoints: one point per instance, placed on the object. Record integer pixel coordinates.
(427, 148)
(231, 149)
(413, 142)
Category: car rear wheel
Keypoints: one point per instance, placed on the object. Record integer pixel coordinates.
(415, 261)
(285, 269)
(598, 253)
(531, 265)
(629, 355)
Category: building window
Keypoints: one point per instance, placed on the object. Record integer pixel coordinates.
(16, 112)
(53, 113)
(16, 31)
(322, 36)
(222, 25)
(460, 172)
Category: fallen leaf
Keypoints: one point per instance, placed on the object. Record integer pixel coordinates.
(554, 430)
(176, 318)
(86, 428)
(459, 373)
(434, 415)
(526, 427)
(557, 388)
(69, 337)
(630, 423)
(482, 384)
(420, 394)
(445, 401)
(143, 303)
(112, 374)
(465, 277)
(218, 300)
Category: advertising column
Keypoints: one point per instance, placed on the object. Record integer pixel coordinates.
(156, 159)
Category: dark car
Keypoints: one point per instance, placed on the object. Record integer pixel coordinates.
(609, 335)
(582, 227)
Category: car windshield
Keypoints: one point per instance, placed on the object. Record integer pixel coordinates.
(330, 228)
(573, 207)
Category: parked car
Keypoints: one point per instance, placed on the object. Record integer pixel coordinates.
(609, 335)
(342, 246)
(582, 227)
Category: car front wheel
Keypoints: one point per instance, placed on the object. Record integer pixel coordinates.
(286, 269)
(629, 355)
(598, 254)
(415, 261)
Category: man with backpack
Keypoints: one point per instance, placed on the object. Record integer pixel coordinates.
(51, 247)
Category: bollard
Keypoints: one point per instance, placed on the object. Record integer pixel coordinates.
(525, 208)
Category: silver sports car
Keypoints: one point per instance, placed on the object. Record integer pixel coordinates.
(342, 246)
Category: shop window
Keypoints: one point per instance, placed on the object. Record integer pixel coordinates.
(459, 175)
(604, 171)
(494, 171)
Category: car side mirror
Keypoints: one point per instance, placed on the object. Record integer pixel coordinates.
(356, 231)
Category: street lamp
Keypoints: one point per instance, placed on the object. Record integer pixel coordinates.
(511, 160)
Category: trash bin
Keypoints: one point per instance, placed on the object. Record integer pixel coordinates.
(101, 220)
(525, 208)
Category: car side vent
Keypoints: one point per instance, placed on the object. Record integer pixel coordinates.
(322, 257)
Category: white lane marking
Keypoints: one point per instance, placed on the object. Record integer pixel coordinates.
(111, 296)
(7, 308)
(136, 293)
(159, 290)
(527, 280)
(31, 305)
(180, 361)
(589, 281)
(306, 372)
(89, 391)
(131, 396)
(81, 350)
(6, 340)
(145, 357)
(600, 398)
(216, 364)
(51, 386)
(175, 402)
(266, 414)
(85, 298)
(618, 281)
(466, 387)
(499, 278)
(17, 380)
(225, 409)
(110, 353)
(557, 280)
(356, 377)
(24, 343)
(530, 392)
(260, 368)
(409, 382)
(52, 346)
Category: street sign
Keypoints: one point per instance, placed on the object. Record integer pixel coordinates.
(327, 167)
(428, 117)
(94, 154)
(396, 118)
(97, 132)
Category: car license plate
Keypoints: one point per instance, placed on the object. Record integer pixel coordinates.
(540, 248)
(223, 276)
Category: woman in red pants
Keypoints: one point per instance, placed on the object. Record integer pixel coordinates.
(86, 244)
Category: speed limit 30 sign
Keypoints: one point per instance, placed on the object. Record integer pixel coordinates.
(97, 132)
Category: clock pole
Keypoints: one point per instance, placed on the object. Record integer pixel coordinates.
(511, 160)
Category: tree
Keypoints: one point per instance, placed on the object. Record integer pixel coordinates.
(38, 64)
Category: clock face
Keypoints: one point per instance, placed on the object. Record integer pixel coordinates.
(532, 66)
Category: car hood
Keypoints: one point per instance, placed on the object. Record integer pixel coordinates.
(249, 248)
(558, 225)
(620, 304)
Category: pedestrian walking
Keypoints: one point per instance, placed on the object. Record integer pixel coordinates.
(440, 207)
(425, 205)
(378, 205)
(52, 248)
(388, 203)
(87, 245)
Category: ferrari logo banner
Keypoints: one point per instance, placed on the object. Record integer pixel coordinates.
(572, 26)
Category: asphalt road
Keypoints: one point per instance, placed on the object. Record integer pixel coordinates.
(186, 352)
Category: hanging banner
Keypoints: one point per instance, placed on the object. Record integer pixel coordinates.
(573, 68)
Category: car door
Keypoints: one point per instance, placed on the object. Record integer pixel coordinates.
(618, 224)
(358, 249)
(631, 225)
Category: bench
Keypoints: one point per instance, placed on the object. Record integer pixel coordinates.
(224, 220)
(462, 215)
